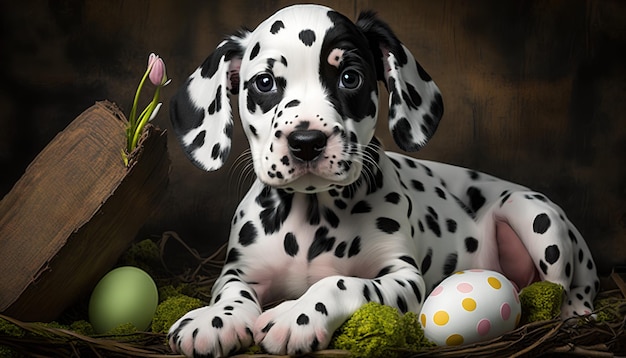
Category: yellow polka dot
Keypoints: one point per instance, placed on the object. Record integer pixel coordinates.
(423, 320)
(454, 340)
(494, 282)
(469, 304)
(459, 272)
(441, 318)
(517, 319)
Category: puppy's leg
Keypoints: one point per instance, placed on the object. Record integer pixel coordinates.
(222, 328)
(307, 323)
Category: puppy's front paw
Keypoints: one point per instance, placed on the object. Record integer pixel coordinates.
(217, 331)
(294, 328)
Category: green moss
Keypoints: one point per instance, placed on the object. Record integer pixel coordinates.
(170, 310)
(168, 291)
(610, 309)
(415, 339)
(9, 329)
(6, 352)
(82, 327)
(377, 330)
(541, 301)
(144, 254)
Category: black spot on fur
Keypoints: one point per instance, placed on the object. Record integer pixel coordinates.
(477, 200)
(366, 293)
(416, 291)
(217, 322)
(409, 260)
(543, 267)
(216, 104)
(321, 308)
(291, 244)
(341, 284)
(449, 267)
(451, 225)
(313, 210)
(393, 198)
(277, 26)
(321, 243)
(387, 225)
(198, 142)
(292, 103)
(340, 250)
(340, 204)
(276, 206)
(302, 320)
(246, 295)
(504, 199)
(268, 326)
(471, 244)
(440, 193)
(255, 51)
(552, 254)
(401, 304)
(541, 224)
(331, 217)
(427, 261)
(307, 37)
(247, 234)
(233, 256)
(417, 185)
(401, 133)
(361, 207)
(433, 225)
(355, 247)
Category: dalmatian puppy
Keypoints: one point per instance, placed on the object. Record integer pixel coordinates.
(333, 221)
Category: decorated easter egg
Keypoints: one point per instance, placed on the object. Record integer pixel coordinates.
(124, 295)
(470, 306)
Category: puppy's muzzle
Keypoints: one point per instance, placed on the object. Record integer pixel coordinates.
(306, 145)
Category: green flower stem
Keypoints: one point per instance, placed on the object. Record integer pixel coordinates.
(133, 112)
(145, 116)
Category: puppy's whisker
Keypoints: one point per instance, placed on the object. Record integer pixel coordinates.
(243, 170)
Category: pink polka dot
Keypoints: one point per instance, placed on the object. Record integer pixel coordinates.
(464, 287)
(437, 291)
(483, 327)
(516, 295)
(505, 311)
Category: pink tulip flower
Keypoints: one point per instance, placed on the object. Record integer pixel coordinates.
(156, 66)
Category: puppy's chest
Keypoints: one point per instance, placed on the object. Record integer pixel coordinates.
(315, 239)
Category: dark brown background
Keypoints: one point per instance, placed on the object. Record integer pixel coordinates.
(534, 91)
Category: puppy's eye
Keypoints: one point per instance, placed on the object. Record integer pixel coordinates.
(265, 82)
(350, 79)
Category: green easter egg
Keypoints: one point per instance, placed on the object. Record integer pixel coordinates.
(124, 295)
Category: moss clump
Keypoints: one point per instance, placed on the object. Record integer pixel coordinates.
(9, 329)
(376, 330)
(82, 327)
(168, 291)
(170, 310)
(610, 309)
(541, 301)
(144, 254)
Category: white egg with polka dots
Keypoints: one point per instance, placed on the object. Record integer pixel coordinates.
(470, 306)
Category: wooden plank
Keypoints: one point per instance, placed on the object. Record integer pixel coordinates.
(74, 211)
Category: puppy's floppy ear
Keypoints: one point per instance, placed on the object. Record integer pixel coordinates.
(200, 111)
(415, 103)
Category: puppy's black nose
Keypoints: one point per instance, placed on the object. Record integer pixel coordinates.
(306, 145)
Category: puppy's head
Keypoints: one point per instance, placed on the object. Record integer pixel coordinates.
(308, 98)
